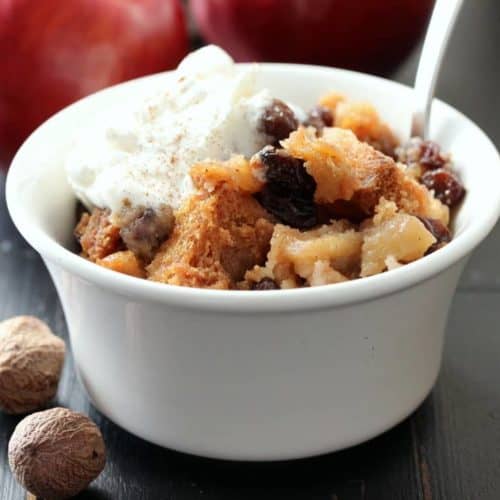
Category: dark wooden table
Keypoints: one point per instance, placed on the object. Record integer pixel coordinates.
(449, 449)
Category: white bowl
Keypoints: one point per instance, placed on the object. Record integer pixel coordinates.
(255, 375)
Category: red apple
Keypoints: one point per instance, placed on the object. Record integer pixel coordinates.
(53, 52)
(367, 35)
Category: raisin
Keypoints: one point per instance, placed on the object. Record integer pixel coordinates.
(265, 284)
(278, 121)
(430, 155)
(289, 191)
(290, 210)
(144, 229)
(341, 209)
(286, 174)
(446, 186)
(427, 154)
(319, 117)
(438, 230)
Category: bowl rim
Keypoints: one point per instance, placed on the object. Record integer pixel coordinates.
(300, 299)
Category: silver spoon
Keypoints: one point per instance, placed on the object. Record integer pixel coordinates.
(438, 33)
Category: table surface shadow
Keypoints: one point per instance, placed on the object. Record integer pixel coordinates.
(449, 449)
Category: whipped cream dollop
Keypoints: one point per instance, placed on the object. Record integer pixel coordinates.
(209, 110)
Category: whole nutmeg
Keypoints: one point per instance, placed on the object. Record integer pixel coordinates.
(31, 360)
(56, 453)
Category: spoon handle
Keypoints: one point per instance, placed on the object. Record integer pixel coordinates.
(440, 27)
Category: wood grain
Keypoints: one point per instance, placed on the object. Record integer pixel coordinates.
(448, 450)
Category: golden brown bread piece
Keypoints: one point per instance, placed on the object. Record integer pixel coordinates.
(331, 100)
(347, 169)
(237, 173)
(216, 238)
(124, 262)
(98, 237)
(363, 119)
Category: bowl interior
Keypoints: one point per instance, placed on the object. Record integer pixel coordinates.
(42, 203)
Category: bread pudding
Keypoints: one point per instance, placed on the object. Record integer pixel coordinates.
(311, 199)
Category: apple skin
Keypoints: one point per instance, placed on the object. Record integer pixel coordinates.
(53, 52)
(366, 35)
